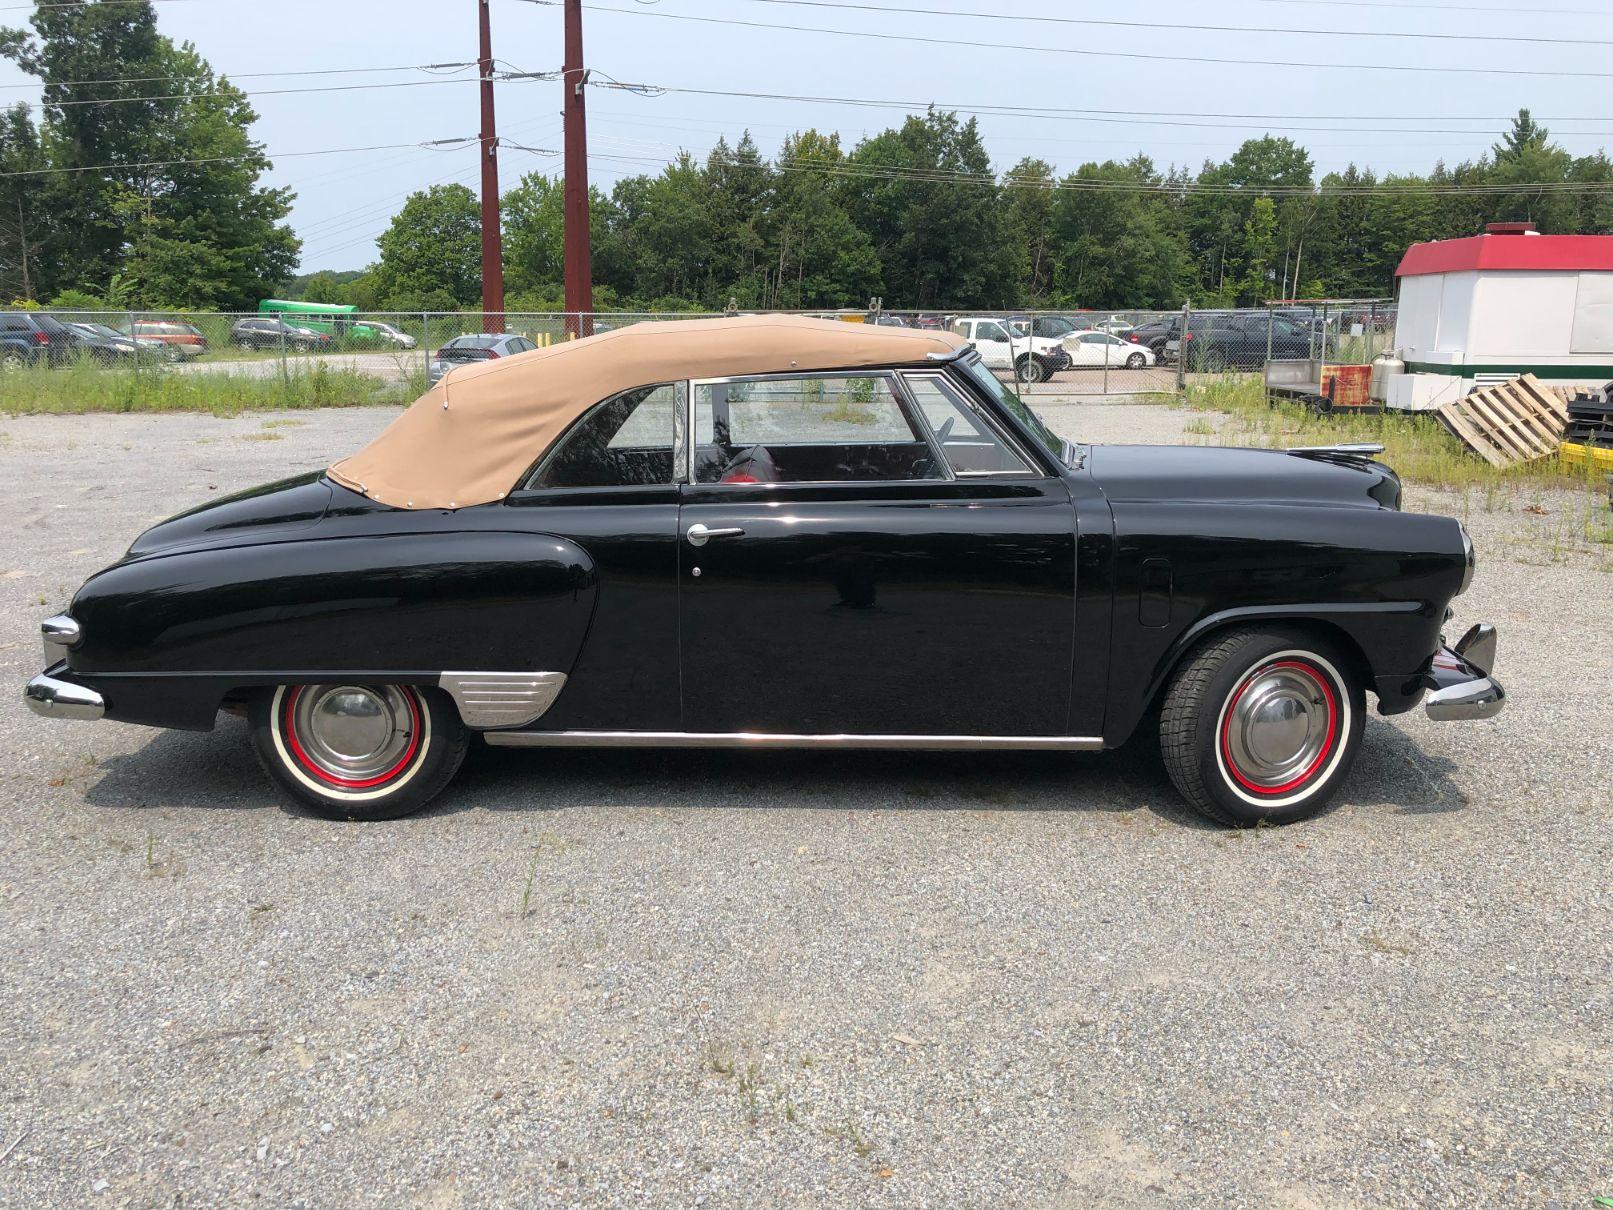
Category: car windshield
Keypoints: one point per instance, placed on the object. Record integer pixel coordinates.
(996, 389)
(1052, 325)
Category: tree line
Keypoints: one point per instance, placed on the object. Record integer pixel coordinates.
(916, 216)
(143, 189)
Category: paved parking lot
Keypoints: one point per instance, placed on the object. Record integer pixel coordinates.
(736, 978)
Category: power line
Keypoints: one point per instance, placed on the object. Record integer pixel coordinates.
(1109, 116)
(262, 92)
(1031, 48)
(226, 159)
(244, 75)
(1155, 26)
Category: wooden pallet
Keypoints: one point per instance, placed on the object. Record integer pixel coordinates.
(1512, 422)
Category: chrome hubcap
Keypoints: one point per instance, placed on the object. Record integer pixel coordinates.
(353, 731)
(1279, 726)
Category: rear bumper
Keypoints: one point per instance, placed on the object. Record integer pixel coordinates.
(52, 697)
(1461, 687)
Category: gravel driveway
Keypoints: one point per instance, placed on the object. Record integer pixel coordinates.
(730, 979)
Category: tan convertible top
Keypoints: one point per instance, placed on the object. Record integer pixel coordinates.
(468, 439)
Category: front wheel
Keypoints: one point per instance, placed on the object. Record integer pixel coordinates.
(358, 751)
(1032, 369)
(1261, 726)
(1136, 361)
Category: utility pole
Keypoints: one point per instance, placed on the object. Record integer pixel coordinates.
(492, 234)
(579, 262)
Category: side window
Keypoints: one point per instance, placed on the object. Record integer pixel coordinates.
(971, 446)
(627, 441)
(806, 430)
(990, 331)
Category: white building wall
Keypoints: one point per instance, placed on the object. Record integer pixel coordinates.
(1521, 315)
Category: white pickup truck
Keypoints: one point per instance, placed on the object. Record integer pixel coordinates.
(1033, 358)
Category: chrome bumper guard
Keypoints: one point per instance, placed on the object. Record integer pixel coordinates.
(1460, 681)
(52, 698)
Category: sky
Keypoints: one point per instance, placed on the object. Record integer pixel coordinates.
(1182, 95)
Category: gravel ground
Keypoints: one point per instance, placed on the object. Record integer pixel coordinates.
(731, 979)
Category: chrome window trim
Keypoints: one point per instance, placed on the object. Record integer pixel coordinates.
(968, 401)
(893, 379)
(526, 482)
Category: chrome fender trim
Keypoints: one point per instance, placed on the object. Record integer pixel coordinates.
(768, 739)
(502, 699)
(51, 698)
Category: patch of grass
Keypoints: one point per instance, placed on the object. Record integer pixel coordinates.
(1418, 447)
(85, 388)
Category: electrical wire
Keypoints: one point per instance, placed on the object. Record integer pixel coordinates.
(1031, 48)
(1510, 37)
(244, 75)
(226, 159)
(1107, 116)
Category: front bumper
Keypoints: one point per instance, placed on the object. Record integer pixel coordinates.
(50, 697)
(1459, 680)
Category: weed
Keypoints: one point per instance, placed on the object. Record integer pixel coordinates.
(1419, 449)
(548, 841)
(76, 389)
(261, 437)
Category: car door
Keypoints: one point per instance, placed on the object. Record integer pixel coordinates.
(1087, 351)
(854, 563)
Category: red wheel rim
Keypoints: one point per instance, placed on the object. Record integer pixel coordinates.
(1279, 680)
(288, 723)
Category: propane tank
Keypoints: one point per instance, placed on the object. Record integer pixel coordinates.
(1383, 369)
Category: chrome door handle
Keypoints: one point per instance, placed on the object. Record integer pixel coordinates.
(699, 535)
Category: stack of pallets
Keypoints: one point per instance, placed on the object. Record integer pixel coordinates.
(1509, 423)
(1589, 435)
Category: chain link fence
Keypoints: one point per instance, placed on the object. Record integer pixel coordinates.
(1069, 354)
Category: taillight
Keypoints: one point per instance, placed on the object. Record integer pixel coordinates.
(491, 355)
(1187, 336)
(41, 338)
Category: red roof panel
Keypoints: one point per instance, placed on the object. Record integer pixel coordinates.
(1574, 253)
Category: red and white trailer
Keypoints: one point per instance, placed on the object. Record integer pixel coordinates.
(1489, 307)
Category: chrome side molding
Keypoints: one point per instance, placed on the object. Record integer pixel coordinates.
(502, 699)
(769, 739)
(51, 698)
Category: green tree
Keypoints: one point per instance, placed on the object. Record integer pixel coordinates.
(431, 254)
(820, 258)
(1117, 238)
(25, 226)
(1028, 190)
(147, 144)
(927, 197)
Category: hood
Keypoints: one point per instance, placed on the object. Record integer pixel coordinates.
(256, 515)
(1187, 473)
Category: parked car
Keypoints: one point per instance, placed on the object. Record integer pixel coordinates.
(144, 345)
(92, 346)
(1053, 327)
(272, 332)
(1114, 325)
(777, 532)
(1102, 349)
(1031, 358)
(30, 339)
(388, 334)
(180, 342)
(1239, 341)
(1155, 334)
(487, 346)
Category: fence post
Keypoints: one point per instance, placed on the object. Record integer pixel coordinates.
(1372, 331)
(138, 352)
(1271, 322)
(1181, 349)
(425, 339)
(285, 370)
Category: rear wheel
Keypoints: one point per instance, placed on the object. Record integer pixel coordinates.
(1261, 726)
(358, 751)
(1136, 361)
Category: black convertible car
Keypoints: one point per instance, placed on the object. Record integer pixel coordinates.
(780, 532)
